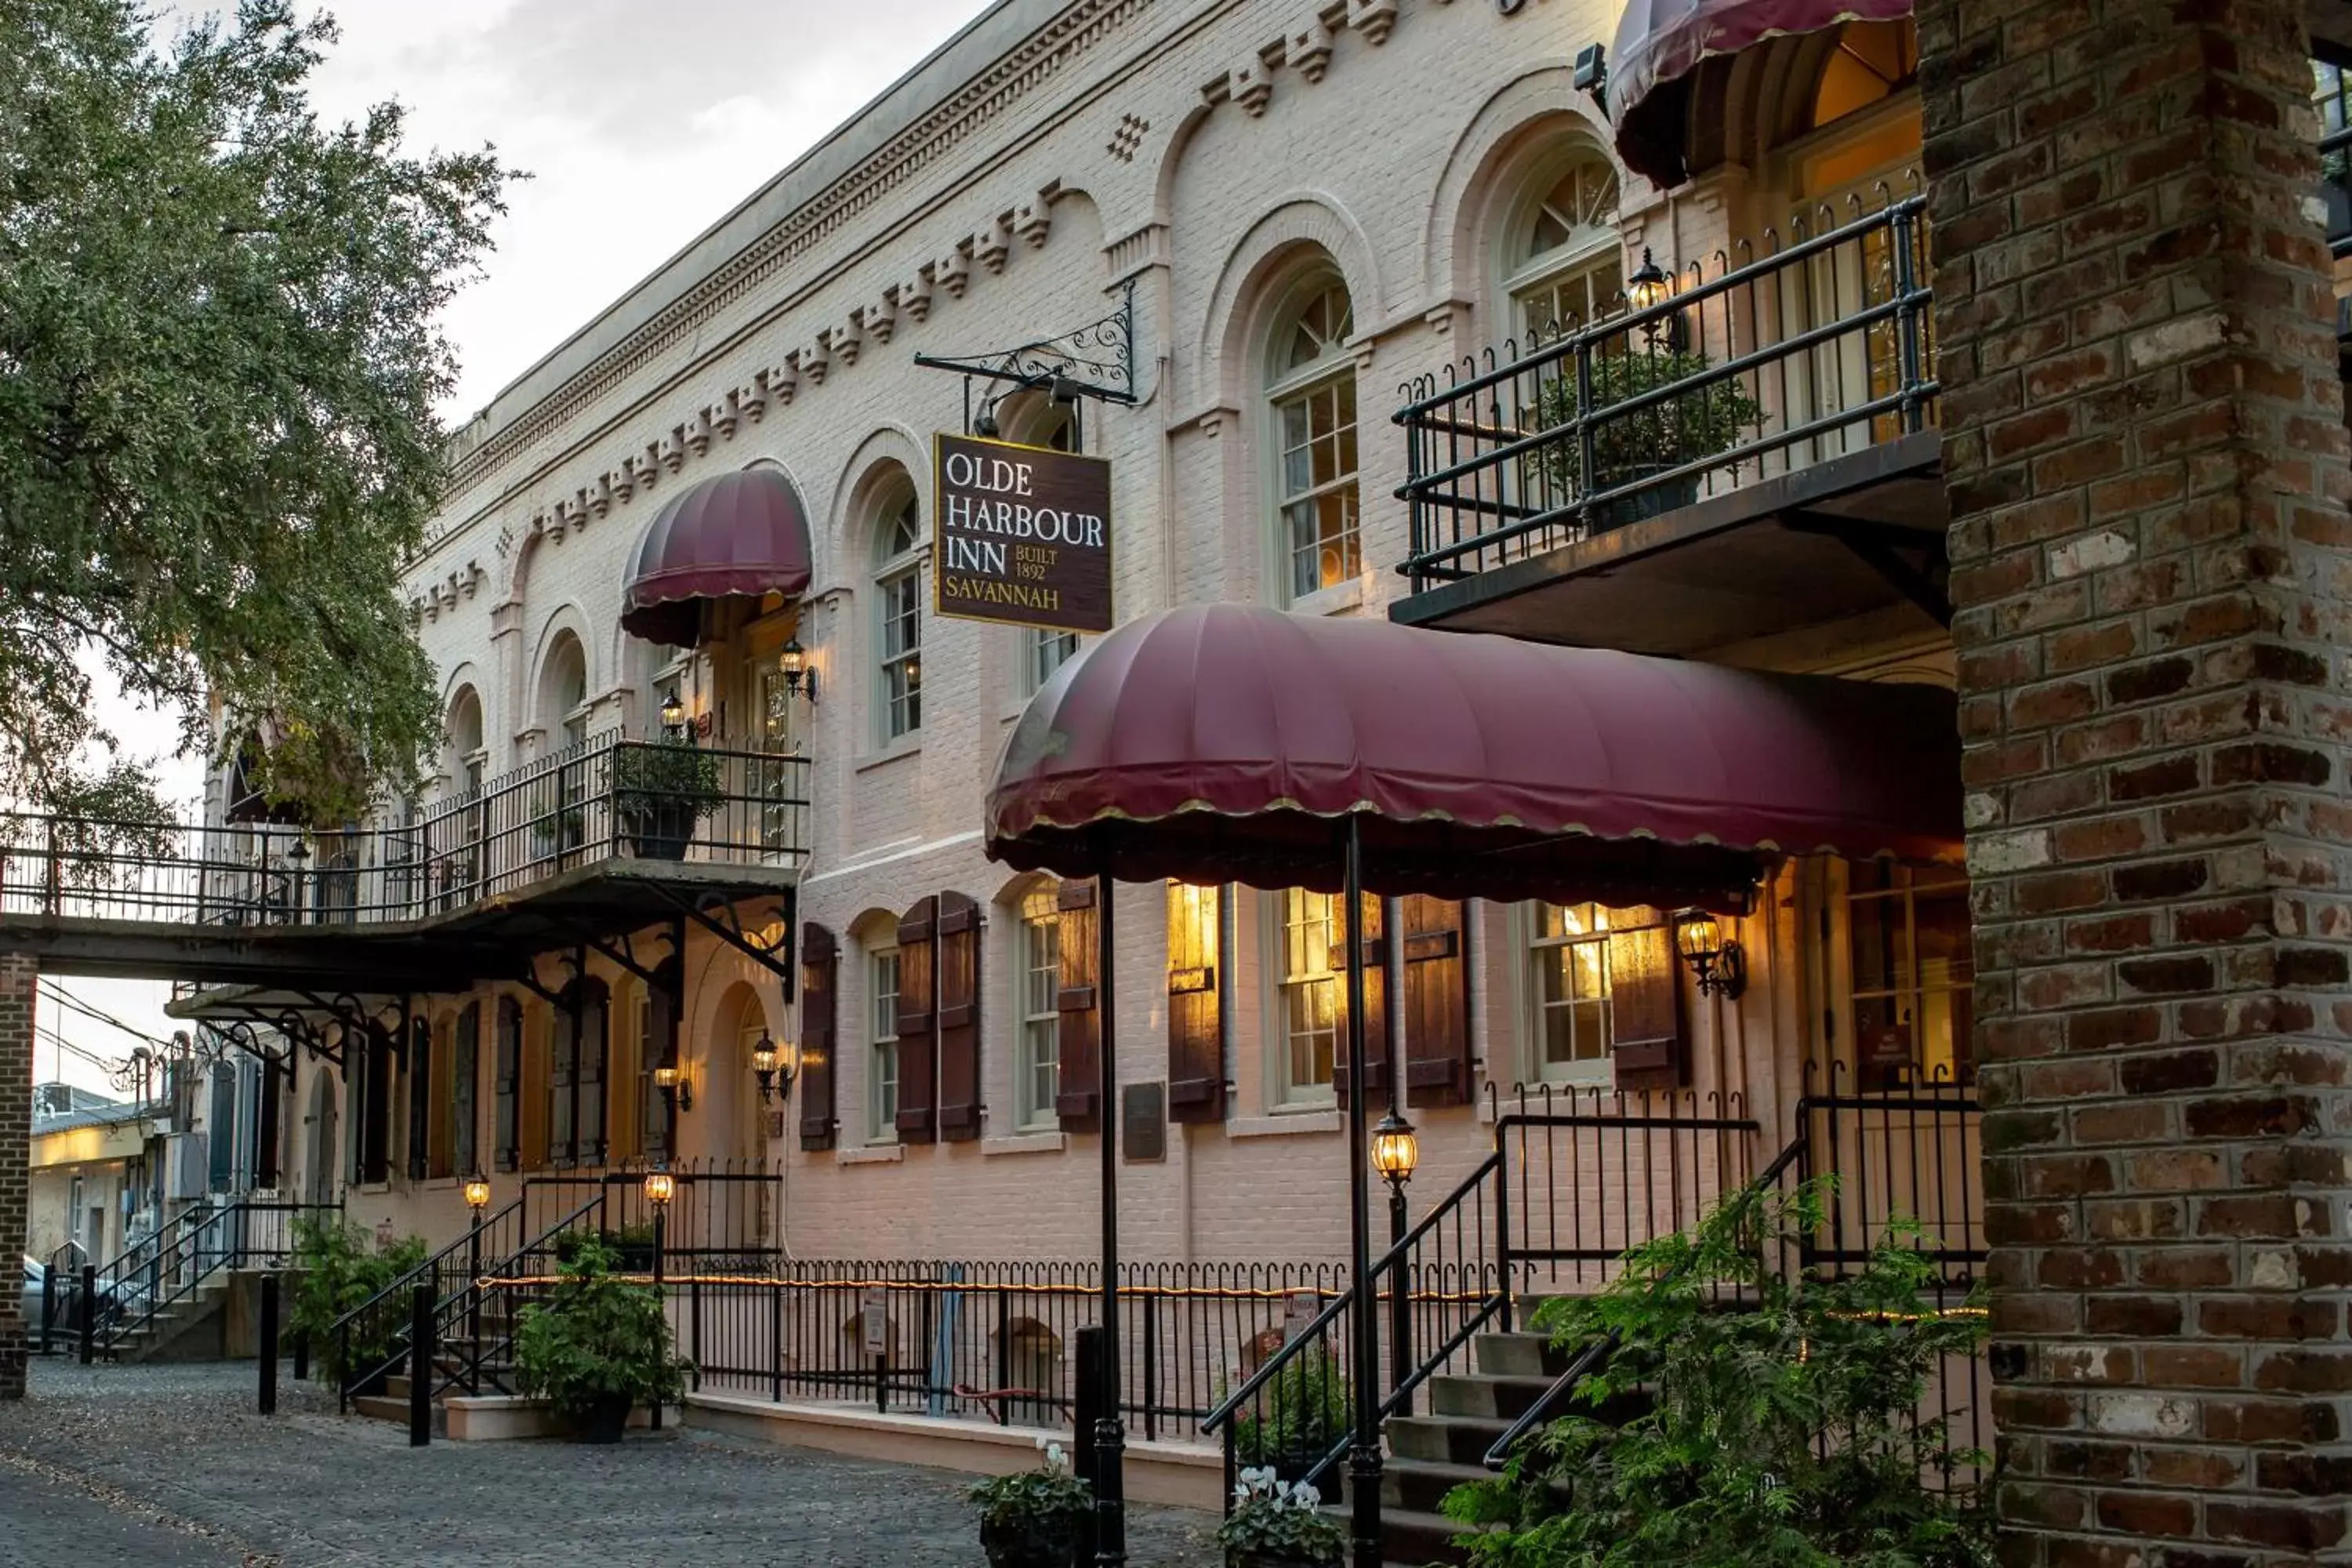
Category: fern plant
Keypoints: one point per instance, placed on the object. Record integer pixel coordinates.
(1785, 1431)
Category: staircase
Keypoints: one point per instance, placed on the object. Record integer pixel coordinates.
(470, 1363)
(1430, 1455)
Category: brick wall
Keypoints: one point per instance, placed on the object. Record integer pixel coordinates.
(2145, 453)
(19, 976)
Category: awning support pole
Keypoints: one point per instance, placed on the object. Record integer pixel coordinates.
(1110, 1432)
(1364, 1456)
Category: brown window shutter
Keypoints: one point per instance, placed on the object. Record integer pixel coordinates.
(1376, 1005)
(919, 1022)
(1433, 939)
(820, 998)
(958, 1018)
(1646, 1042)
(1196, 1036)
(1081, 1001)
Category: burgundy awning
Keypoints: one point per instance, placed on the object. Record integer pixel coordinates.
(738, 536)
(1661, 42)
(1223, 742)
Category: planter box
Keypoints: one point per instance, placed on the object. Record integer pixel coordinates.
(504, 1418)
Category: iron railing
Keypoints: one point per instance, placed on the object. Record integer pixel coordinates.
(1575, 1178)
(153, 1276)
(1897, 1157)
(606, 798)
(994, 1340)
(717, 1221)
(1814, 343)
(372, 1338)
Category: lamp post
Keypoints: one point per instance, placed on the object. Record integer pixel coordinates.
(1395, 1153)
(1364, 1449)
(660, 1187)
(477, 1199)
(1110, 1432)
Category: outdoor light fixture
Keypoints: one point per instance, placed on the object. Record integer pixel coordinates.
(1718, 960)
(1395, 1151)
(775, 1065)
(477, 1192)
(674, 1086)
(660, 1187)
(673, 712)
(799, 678)
(1648, 284)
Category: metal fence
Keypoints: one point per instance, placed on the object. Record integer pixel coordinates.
(606, 798)
(1810, 344)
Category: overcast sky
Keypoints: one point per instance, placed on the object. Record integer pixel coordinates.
(640, 124)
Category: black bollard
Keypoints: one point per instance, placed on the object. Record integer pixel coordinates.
(420, 1368)
(86, 1318)
(301, 1354)
(269, 1347)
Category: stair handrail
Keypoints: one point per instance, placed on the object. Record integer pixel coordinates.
(1596, 1354)
(396, 1299)
(475, 1292)
(191, 1249)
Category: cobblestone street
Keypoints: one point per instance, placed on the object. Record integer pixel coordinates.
(170, 1467)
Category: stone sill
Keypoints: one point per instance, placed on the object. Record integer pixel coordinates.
(1286, 1123)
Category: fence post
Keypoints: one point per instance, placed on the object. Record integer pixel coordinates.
(86, 1317)
(420, 1367)
(48, 1304)
(1151, 1400)
(268, 1346)
(301, 1354)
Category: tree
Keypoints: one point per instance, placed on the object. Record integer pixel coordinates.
(219, 354)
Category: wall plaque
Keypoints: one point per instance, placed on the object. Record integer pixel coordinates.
(1143, 1122)
(1023, 535)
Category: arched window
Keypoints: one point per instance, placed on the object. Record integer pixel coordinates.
(1562, 253)
(1311, 395)
(899, 598)
(1872, 62)
(467, 756)
(563, 691)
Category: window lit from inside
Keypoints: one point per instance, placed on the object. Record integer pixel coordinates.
(1567, 951)
(1565, 253)
(1037, 1062)
(1309, 993)
(1312, 391)
(1912, 970)
(898, 585)
(882, 1092)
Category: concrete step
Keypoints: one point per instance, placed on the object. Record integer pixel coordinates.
(1518, 1355)
(1422, 1484)
(1486, 1395)
(1451, 1439)
(1413, 1536)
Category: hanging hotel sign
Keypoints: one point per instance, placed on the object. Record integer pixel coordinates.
(1023, 535)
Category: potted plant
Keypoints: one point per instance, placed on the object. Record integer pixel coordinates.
(1276, 1523)
(1298, 1417)
(1653, 439)
(1034, 1519)
(660, 790)
(595, 1347)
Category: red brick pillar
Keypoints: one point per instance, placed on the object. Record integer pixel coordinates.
(2143, 447)
(18, 977)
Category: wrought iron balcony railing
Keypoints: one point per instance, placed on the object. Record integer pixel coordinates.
(1814, 345)
(605, 799)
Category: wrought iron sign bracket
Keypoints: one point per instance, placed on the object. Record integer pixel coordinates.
(623, 951)
(1883, 548)
(1094, 360)
(717, 915)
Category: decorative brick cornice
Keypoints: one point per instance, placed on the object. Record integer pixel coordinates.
(1044, 56)
(1304, 46)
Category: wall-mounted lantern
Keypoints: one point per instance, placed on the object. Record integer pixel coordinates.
(1719, 961)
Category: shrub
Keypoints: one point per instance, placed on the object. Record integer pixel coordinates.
(1788, 1436)
(338, 1268)
(1301, 1414)
(596, 1340)
(1677, 429)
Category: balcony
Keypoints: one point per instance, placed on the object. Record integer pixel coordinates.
(604, 837)
(1748, 448)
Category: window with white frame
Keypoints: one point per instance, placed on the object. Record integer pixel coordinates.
(1564, 256)
(1311, 395)
(882, 1059)
(1568, 960)
(1307, 1026)
(898, 593)
(1037, 1055)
